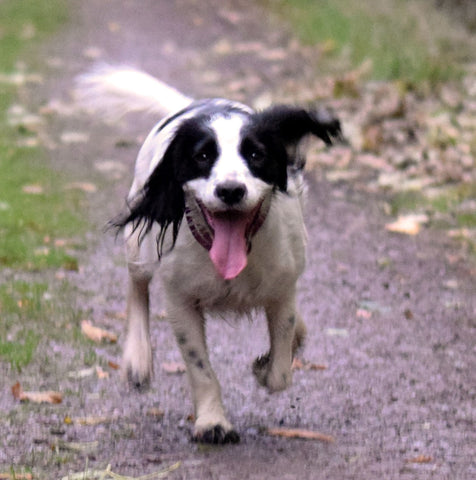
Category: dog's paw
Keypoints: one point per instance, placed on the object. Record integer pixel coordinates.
(216, 435)
(137, 372)
(214, 429)
(271, 378)
(136, 380)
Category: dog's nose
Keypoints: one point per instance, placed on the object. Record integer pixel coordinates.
(230, 192)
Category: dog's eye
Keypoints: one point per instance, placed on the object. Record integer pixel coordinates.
(203, 158)
(256, 157)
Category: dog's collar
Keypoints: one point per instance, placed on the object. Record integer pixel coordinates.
(203, 233)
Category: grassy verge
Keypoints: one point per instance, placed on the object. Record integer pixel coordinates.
(403, 39)
(38, 218)
(41, 221)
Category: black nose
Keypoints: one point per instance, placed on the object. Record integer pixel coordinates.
(230, 192)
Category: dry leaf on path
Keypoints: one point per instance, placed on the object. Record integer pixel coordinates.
(155, 412)
(300, 433)
(407, 224)
(363, 313)
(299, 364)
(48, 396)
(33, 189)
(97, 334)
(108, 473)
(86, 187)
(101, 374)
(173, 367)
(16, 476)
(420, 459)
(113, 365)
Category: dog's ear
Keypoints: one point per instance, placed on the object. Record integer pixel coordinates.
(291, 124)
(161, 200)
(281, 128)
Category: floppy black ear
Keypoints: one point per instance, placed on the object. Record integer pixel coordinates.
(291, 124)
(161, 200)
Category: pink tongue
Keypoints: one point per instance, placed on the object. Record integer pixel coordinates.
(228, 252)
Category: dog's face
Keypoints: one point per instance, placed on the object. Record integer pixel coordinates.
(221, 168)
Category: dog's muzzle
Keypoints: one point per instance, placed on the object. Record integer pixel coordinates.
(226, 235)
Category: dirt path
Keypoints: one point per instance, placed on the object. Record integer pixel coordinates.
(391, 317)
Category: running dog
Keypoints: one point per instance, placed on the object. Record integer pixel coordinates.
(217, 204)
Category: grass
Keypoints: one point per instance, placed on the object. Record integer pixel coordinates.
(39, 219)
(404, 39)
(446, 201)
(34, 312)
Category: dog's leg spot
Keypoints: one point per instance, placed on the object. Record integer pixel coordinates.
(181, 338)
(192, 354)
(200, 364)
(292, 320)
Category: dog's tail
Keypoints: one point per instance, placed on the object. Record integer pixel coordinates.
(112, 92)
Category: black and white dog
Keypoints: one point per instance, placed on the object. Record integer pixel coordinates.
(217, 202)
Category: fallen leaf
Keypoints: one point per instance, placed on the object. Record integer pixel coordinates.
(363, 313)
(34, 189)
(300, 433)
(155, 412)
(303, 365)
(85, 372)
(113, 365)
(16, 476)
(70, 138)
(337, 332)
(101, 374)
(173, 367)
(48, 396)
(97, 334)
(83, 186)
(93, 53)
(420, 459)
(90, 421)
(108, 473)
(407, 224)
(84, 447)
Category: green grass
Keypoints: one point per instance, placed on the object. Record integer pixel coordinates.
(21, 304)
(446, 201)
(404, 39)
(41, 222)
(38, 229)
(31, 312)
(25, 22)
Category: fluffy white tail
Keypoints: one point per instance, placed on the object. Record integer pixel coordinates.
(113, 92)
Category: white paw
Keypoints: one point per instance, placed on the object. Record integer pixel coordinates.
(137, 365)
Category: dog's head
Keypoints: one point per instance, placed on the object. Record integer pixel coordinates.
(222, 164)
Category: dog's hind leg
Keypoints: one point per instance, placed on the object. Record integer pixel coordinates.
(211, 424)
(137, 358)
(286, 333)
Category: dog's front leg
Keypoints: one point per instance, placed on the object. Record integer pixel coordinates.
(137, 359)
(211, 424)
(286, 333)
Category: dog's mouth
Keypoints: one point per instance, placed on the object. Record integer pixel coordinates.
(226, 234)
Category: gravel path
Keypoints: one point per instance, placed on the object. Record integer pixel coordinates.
(391, 317)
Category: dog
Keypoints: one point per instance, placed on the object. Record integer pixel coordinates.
(216, 204)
